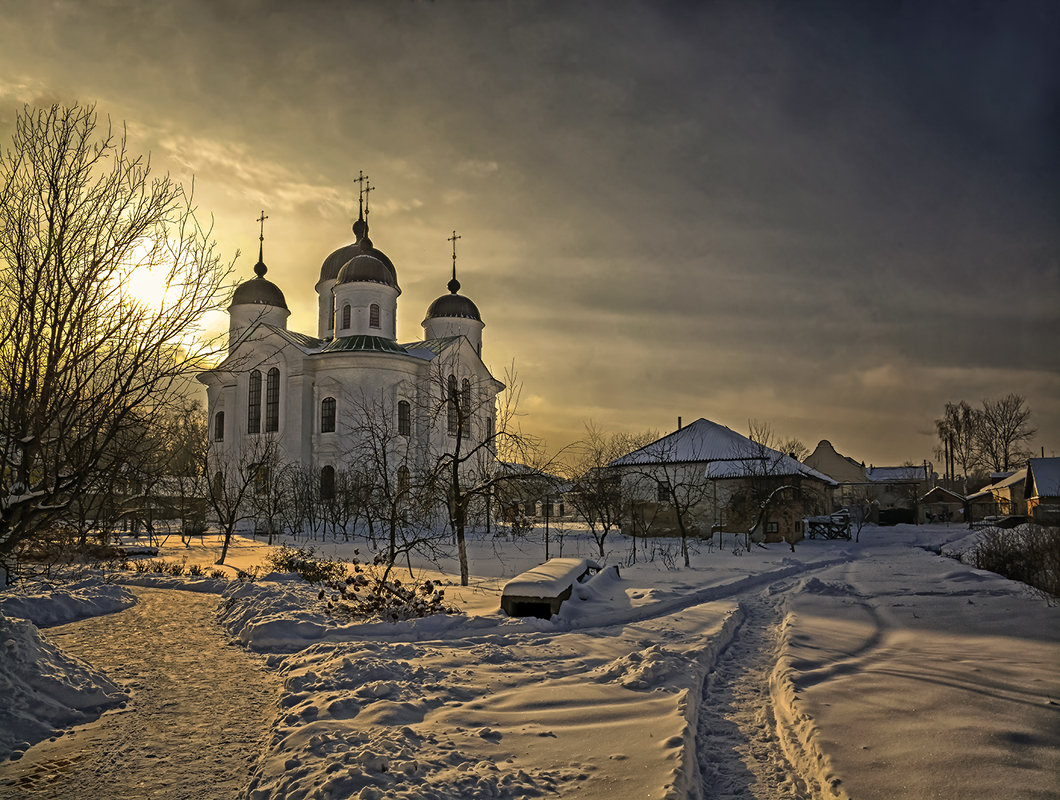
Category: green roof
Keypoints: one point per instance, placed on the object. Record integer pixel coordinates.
(363, 344)
(436, 346)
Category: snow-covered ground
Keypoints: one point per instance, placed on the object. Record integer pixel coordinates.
(877, 669)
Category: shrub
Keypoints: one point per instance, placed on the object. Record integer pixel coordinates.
(1029, 553)
(306, 563)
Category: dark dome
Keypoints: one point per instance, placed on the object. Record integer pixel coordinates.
(366, 267)
(259, 292)
(453, 305)
(329, 271)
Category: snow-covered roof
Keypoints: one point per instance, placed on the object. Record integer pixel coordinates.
(550, 579)
(946, 495)
(1010, 479)
(724, 453)
(1043, 477)
(896, 474)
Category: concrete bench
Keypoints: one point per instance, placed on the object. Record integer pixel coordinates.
(539, 592)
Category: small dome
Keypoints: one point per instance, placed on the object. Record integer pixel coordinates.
(366, 267)
(453, 305)
(260, 292)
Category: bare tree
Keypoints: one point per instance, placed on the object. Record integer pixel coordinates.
(231, 483)
(479, 429)
(1004, 430)
(958, 435)
(597, 492)
(83, 361)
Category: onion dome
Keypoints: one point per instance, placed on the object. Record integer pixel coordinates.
(453, 305)
(367, 267)
(334, 263)
(259, 291)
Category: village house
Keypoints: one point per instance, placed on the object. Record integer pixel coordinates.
(1042, 490)
(708, 477)
(1002, 498)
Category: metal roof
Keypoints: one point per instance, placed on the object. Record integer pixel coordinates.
(363, 344)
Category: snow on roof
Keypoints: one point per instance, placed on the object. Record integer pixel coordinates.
(725, 453)
(941, 490)
(895, 474)
(550, 579)
(1043, 477)
(1009, 479)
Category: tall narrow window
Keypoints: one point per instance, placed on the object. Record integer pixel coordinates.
(465, 397)
(404, 418)
(254, 403)
(662, 492)
(331, 314)
(402, 480)
(327, 415)
(345, 317)
(272, 401)
(452, 401)
(489, 429)
(327, 483)
(219, 426)
(373, 315)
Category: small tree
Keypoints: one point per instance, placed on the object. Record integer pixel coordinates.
(231, 483)
(83, 361)
(597, 492)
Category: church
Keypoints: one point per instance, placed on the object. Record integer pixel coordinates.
(323, 401)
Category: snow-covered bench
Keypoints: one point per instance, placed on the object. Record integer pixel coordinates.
(539, 592)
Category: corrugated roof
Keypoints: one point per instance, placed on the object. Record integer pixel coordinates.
(309, 344)
(895, 474)
(363, 344)
(1045, 474)
(436, 346)
(724, 452)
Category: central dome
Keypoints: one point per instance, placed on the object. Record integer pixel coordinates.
(368, 267)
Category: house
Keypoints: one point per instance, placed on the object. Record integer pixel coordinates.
(1042, 490)
(943, 505)
(312, 400)
(891, 494)
(706, 477)
(1002, 498)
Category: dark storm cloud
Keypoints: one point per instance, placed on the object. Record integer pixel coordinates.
(822, 213)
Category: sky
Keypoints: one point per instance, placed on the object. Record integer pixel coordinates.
(831, 217)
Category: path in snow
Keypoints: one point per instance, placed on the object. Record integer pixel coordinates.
(737, 739)
(195, 723)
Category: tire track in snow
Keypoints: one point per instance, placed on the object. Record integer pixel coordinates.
(740, 752)
(194, 726)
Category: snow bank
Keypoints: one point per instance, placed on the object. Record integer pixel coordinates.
(44, 689)
(155, 581)
(87, 598)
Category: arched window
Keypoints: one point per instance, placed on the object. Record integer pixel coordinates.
(327, 415)
(404, 418)
(217, 488)
(373, 315)
(254, 403)
(327, 483)
(452, 404)
(402, 479)
(662, 492)
(465, 396)
(346, 317)
(272, 401)
(219, 426)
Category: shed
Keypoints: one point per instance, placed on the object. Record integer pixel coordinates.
(539, 592)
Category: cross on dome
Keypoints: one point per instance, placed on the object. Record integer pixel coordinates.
(454, 284)
(260, 269)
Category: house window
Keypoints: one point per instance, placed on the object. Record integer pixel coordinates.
(662, 492)
(272, 401)
(345, 317)
(219, 426)
(404, 418)
(327, 415)
(452, 404)
(402, 480)
(254, 403)
(327, 483)
(771, 527)
(465, 396)
(373, 315)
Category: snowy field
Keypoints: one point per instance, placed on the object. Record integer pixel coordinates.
(877, 669)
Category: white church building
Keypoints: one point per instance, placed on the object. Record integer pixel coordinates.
(314, 397)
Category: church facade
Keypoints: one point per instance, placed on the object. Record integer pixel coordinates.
(330, 400)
